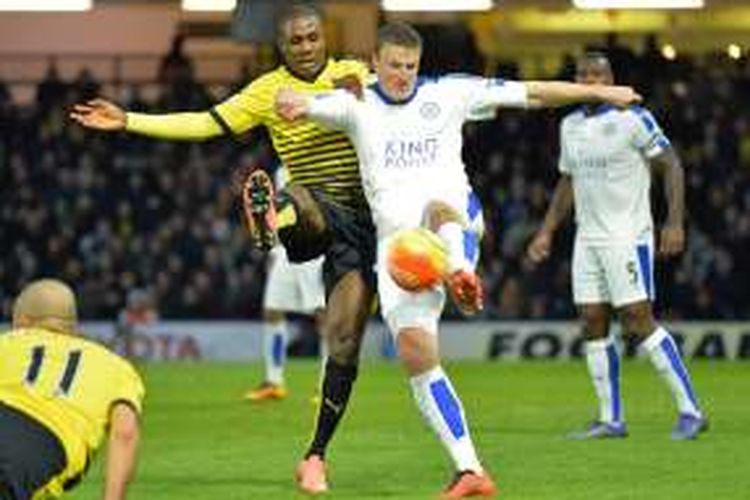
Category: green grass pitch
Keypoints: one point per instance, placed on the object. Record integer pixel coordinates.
(201, 441)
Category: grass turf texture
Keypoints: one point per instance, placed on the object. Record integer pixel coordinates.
(201, 441)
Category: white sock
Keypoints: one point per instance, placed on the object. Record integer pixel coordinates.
(441, 408)
(274, 350)
(665, 356)
(603, 361)
(452, 234)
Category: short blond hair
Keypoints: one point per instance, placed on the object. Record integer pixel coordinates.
(46, 303)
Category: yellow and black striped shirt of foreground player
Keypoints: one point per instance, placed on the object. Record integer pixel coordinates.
(69, 385)
(316, 157)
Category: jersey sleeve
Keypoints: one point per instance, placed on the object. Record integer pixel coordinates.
(237, 114)
(247, 108)
(131, 390)
(484, 95)
(332, 109)
(647, 135)
(174, 126)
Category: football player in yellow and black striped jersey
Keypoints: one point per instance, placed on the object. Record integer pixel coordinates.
(322, 211)
(60, 396)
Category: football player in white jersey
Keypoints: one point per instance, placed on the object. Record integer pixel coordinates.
(407, 132)
(290, 288)
(606, 160)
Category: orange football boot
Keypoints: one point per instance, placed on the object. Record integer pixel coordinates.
(469, 483)
(311, 475)
(466, 289)
(267, 391)
(259, 208)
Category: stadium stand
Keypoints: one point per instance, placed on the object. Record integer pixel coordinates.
(111, 215)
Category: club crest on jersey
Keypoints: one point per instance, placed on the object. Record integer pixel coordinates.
(429, 110)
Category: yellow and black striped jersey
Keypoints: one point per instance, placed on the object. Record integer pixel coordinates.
(315, 157)
(68, 384)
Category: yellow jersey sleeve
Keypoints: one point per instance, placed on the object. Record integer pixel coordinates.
(175, 126)
(130, 389)
(252, 106)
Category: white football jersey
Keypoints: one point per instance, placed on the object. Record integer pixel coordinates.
(410, 152)
(606, 154)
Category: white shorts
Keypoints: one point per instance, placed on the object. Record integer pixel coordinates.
(402, 309)
(614, 273)
(293, 287)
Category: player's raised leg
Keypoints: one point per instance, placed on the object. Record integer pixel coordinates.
(413, 318)
(665, 356)
(462, 243)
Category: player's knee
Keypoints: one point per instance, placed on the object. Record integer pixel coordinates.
(308, 211)
(416, 350)
(437, 213)
(595, 323)
(637, 320)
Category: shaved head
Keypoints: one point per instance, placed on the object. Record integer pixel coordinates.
(46, 303)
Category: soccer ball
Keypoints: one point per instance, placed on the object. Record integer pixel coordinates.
(417, 259)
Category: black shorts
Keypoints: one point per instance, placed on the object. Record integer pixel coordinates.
(349, 243)
(30, 455)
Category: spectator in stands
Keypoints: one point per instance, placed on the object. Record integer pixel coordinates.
(52, 90)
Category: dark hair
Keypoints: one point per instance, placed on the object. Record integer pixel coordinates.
(295, 10)
(399, 33)
(595, 57)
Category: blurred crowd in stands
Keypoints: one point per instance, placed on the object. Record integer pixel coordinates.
(115, 213)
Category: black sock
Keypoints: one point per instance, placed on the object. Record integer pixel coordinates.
(337, 386)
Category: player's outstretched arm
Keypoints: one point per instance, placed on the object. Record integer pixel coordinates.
(554, 93)
(672, 234)
(122, 451)
(332, 109)
(100, 114)
(557, 213)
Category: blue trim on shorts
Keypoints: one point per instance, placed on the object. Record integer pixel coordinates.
(644, 259)
(448, 406)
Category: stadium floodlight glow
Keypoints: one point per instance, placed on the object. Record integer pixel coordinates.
(436, 5)
(639, 4)
(209, 5)
(734, 51)
(668, 52)
(45, 5)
